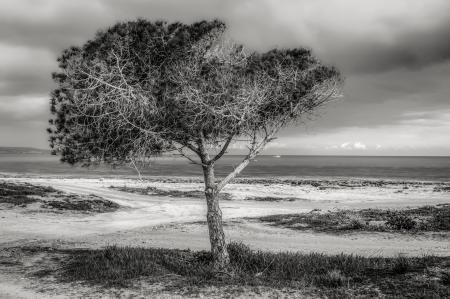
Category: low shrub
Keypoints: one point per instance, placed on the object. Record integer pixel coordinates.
(400, 222)
(441, 220)
(23, 189)
(355, 224)
(21, 194)
(76, 203)
(445, 278)
(425, 218)
(18, 200)
(441, 189)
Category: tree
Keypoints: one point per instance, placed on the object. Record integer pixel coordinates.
(142, 88)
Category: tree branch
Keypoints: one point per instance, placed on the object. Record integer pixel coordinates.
(254, 150)
(180, 150)
(224, 149)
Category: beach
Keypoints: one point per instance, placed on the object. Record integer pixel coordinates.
(142, 211)
(169, 212)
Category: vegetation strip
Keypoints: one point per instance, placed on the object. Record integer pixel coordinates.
(321, 184)
(171, 193)
(426, 218)
(23, 194)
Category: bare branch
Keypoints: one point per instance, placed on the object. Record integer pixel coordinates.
(224, 149)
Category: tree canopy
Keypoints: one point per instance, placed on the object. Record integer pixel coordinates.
(141, 88)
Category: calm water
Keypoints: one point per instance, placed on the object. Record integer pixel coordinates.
(416, 168)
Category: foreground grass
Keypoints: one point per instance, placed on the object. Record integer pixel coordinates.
(24, 194)
(427, 218)
(333, 276)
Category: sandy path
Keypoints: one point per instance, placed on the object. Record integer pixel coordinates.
(259, 236)
(135, 223)
(138, 211)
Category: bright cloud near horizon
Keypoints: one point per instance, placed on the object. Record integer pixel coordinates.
(395, 55)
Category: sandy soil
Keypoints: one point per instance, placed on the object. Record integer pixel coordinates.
(159, 221)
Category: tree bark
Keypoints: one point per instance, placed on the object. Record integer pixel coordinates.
(214, 218)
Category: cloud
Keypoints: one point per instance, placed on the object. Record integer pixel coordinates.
(276, 144)
(23, 109)
(415, 133)
(25, 70)
(370, 37)
(353, 146)
(395, 56)
(359, 145)
(23, 121)
(376, 35)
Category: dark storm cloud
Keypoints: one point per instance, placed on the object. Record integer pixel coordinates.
(55, 25)
(411, 50)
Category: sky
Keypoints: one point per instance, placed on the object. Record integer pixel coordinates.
(394, 54)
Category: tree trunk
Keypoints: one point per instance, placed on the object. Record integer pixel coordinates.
(214, 218)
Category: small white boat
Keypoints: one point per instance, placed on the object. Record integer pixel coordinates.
(277, 156)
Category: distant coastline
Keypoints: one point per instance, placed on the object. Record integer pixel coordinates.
(33, 150)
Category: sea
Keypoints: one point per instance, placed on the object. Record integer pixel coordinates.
(265, 166)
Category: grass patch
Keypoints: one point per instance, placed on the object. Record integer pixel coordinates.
(18, 200)
(427, 218)
(400, 221)
(441, 188)
(170, 193)
(24, 189)
(120, 265)
(271, 198)
(91, 203)
(335, 275)
(23, 194)
(441, 220)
